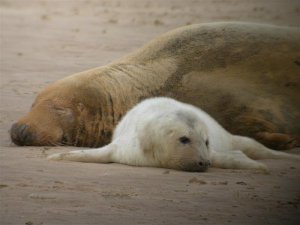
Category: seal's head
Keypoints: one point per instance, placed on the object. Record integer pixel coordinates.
(178, 141)
(47, 123)
(65, 114)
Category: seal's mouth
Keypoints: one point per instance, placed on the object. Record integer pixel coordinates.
(65, 140)
(25, 135)
(201, 166)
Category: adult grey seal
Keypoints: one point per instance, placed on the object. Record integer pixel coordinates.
(244, 75)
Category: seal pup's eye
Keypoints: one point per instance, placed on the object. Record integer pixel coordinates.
(207, 143)
(184, 140)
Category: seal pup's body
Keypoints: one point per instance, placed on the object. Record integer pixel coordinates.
(162, 132)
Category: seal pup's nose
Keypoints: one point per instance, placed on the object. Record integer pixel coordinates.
(20, 134)
(204, 165)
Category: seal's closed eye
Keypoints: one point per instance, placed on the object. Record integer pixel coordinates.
(184, 140)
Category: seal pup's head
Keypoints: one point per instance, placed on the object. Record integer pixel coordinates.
(177, 140)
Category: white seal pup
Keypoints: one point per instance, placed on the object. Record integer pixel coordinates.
(162, 132)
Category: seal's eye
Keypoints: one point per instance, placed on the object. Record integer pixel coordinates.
(207, 143)
(184, 140)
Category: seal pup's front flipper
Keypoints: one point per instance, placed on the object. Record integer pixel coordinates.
(256, 150)
(235, 160)
(99, 155)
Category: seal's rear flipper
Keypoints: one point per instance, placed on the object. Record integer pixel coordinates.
(255, 150)
(99, 155)
(278, 141)
(235, 160)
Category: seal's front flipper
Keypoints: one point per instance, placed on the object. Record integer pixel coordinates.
(99, 155)
(235, 160)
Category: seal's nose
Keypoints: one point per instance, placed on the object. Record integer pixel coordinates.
(204, 165)
(20, 134)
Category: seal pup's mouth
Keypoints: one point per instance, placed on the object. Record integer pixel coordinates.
(201, 166)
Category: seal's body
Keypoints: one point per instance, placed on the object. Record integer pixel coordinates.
(247, 76)
(162, 132)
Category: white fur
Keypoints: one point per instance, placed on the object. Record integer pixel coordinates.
(150, 133)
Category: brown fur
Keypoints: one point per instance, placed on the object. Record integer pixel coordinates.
(246, 76)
